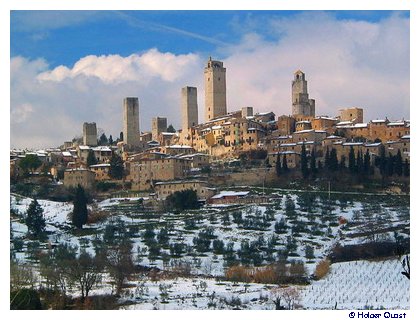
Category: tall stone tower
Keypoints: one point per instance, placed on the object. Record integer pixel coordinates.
(90, 134)
(159, 124)
(131, 127)
(189, 108)
(301, 104)
(215, 90)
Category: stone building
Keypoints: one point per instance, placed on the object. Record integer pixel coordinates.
(131, 117)
(82, 177)
(164, 189)
(247, 112)
(354, 115)
(189, 108)
(159, 125)
(215, 90)
(144, 173)
(301, 104)
(286, 125)
(90, 134)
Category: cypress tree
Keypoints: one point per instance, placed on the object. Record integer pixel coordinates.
(398, 165)
(304, 162)
(343, 162)
(284, 163)
(390, 165)
(80, 212)
(116, 170)
(359, 162)
(327, 159)
(406, 168)
(313, 162)
(333, 161)
(382, 160)
(278, 165)
(352, 160)
(366, 163)
(110, 140)
(91, 160)
(35, 219)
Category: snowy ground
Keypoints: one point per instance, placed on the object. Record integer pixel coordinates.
(350, 285)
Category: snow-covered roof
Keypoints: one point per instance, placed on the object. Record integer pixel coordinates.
(223, 194)
(84, 147)
(100, 165)
(378, 121)
(284, 152)
(102, 148)
(352, 143)
(396, 124)
(306, 142)
(168, 133)
(406, 137)
(305, 131)
(216, 127)
(179, 182)
(178, 146)
(376, 144)
(66, 154)
(360, 125)
(288, 144)
(303, 121)
(333, 137)
(344, 123)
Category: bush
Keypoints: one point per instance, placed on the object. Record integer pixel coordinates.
(266, 275)
(322, 268)
(238, 274)
(183, 200)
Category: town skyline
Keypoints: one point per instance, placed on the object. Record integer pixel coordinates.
(91, 88)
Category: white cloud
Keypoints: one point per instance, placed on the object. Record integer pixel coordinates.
(63, 98)
(347, 63)
(117, 69)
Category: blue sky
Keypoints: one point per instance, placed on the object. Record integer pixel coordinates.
(77, 66)
(63, 37)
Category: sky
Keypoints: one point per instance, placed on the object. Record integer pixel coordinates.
(70, 67)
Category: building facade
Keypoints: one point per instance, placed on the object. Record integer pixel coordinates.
(131, 117)
(215, 90)
(189, 108)
(90, 134)
(301, 104)
(159, 125)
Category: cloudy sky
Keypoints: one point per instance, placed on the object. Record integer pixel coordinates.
(69, 67)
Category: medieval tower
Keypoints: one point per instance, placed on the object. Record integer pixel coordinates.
(131, 127)
(159, 125)
(90, 134)
(189, 108)
(215, 90)
(301, 104)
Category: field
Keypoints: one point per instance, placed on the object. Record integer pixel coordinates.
(296, 227)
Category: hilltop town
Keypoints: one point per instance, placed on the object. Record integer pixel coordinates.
(244, 211)
(237, 147)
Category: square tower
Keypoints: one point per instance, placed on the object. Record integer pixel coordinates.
(301, 104)
(90, 134)
(159, 124)
(131, 117)
(215, 90)
(189, 108)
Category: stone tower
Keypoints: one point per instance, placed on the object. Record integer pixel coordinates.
(131, 127)
(215, 90)
(90, 134)
(189, 108)
(159, 124)
(301, 104)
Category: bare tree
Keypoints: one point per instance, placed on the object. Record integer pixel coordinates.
(85, 272)
(290, 295)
